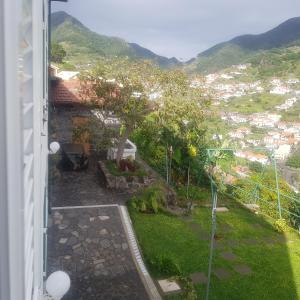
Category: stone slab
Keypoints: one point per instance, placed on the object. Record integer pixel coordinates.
(257, 226)
(250, 242)
(202, 234)
(229, 256)
(218, 245)
(222, 209)
(252, 207)
(169, 286)
(222, 273)
(270, 240)
(233, 243)
(243, 269)
(198, 277)
(225, 228)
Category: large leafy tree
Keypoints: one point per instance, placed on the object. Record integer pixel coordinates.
(58, 53)
(171, 138)
(122, 88)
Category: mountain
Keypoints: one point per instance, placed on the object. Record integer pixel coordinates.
(243, 48)
(84, 46)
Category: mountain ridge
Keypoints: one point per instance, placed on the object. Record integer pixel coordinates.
(243, 47)
(83, 45)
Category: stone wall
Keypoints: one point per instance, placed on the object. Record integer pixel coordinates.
(132, 183)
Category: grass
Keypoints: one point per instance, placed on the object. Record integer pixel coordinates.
(275, 268)
(254, 103)
(115, 171)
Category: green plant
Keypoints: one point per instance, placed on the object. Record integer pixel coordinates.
(164, 264)
(294, 161)
(294, 209)
(115, 170)
(58, 53)
(188, 290)
(281, 225)
(150, 200)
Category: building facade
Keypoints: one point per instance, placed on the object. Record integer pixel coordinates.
(23, 147)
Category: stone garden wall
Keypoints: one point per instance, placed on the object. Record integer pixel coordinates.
(132, 183)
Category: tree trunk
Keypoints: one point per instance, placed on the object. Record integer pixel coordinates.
(122, 143)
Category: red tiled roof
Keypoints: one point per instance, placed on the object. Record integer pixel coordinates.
(66, 92)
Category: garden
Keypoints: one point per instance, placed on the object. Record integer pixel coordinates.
(252, 260)
(256, 255)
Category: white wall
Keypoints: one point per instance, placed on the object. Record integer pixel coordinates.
(23, 148)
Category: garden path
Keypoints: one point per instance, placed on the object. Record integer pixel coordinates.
(90, 243)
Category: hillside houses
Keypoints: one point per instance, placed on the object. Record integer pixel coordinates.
(253, 157)
(282, 152)
(287, 104)
(264, 120)
(239, 133)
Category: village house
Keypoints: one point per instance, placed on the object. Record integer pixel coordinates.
(253, 157)
(282, 152)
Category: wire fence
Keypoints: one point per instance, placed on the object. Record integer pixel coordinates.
(244, 188)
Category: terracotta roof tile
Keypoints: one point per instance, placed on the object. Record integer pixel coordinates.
(66, 92)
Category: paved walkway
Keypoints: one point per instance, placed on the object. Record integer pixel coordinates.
(83, 188)
(91, 246)
(89, 243)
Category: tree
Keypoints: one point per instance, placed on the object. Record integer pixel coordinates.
(122, 88)
(294, 161)
(172, 137)
(58, 53)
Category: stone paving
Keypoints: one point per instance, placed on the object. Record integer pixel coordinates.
(91, 246)
(83, 188)
(222, 273)
(229, 256)
(243, 269)
(198, 277)
(88, 243)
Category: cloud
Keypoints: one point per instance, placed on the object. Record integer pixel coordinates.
(180, 28)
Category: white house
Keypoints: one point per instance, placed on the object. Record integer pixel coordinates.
(67, 75)
(282, 152)
(24, 147)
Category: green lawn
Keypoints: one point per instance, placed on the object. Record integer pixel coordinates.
(275, 267)
(253, 103)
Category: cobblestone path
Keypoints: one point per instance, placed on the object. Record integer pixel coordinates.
(91, 246)
(89, 243)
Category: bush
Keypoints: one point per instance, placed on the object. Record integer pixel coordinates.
(294, 161)
(281, 226)
(127, 165)
(256, 167)
(294, 209)
(127, 168)
(164, 265)
(189, 292)
(150, 200)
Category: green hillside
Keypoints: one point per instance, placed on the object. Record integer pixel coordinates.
(85, 46)
(244, 48)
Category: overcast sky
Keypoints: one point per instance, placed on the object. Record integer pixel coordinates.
(180, 28)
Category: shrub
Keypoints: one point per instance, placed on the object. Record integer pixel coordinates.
(294, 209)
(294, 161)
(127, 168)
(189, 292)
(164, 265)
(127, 165)
(281, 225)
(150, 200)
